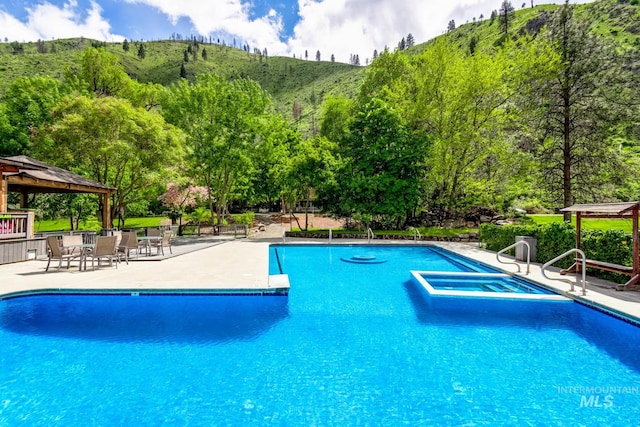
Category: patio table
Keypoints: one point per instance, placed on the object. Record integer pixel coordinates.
(84, 248)
(148, 240)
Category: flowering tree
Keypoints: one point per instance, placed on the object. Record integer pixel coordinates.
(177, 198)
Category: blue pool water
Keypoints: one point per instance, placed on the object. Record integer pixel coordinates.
(353, 344)
(482, 283)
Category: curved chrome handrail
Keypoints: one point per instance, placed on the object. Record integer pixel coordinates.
(416, 234)
(370, 235)
(584, 269)
(520, 242)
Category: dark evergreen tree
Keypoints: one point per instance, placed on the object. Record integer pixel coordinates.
(410, 40)
(42, 48)
(185, 56)
(494, 15)
(204, 53)
(402, 44)
(306, 55)
(576, 109)
(183, 71)
(125, 45)
(451, 26)
(333, 58)
(318, 56)
(142, 52)
(472, 44)
(506, 15)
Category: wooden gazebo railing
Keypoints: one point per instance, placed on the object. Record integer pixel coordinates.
(626, 210)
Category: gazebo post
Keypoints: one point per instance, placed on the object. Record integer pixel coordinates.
(4, 193)
(636, 243)
(24, 199)
(106, 211)
(578, 236)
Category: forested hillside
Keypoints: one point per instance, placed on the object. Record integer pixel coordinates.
(289, 81)
(534, 108)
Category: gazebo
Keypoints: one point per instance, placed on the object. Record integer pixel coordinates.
(626, 210)
(24, 175)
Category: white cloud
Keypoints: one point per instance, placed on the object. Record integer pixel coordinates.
(46, 21)
(14, 30)
(225, 16)
(343, 27)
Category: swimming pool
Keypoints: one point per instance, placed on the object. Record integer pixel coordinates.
(352, 344)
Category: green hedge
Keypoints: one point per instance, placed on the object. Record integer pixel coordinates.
(553, 239)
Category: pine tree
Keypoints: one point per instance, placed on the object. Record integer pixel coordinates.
(494, 15)
(183, 71)
(42, 48)
(185, 56)
(306, 55)
(204, 53)
(472, 44)
(506, 15)
(333, 58)
(410, 40)
(125, 45)
(402, 44)
(142, 51)
(451, 26)
(318, 56)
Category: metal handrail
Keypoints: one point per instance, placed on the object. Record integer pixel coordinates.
(284, 236)
(416, 234)
(584, 269)
(520, 242)
(330, 234)
(370, 235)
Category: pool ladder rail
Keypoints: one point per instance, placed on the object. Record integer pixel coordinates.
(520, 242)
(583, 270)
(416, 235)
(370, 235)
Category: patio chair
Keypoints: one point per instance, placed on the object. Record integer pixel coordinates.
(128, 243)
(118, 235)
(160, 244)
(105, 249)
(55, 252)
(68, 241)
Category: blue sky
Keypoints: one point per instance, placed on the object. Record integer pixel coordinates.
(283, 27)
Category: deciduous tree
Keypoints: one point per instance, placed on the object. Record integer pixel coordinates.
(221, 120)
(112, 142)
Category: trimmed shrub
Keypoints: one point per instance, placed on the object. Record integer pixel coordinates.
(498, 237)
(553, 239)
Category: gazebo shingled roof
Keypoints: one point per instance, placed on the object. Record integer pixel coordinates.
(26, 175)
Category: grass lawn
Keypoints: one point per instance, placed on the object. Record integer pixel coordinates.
(587, 223)
(94, 224)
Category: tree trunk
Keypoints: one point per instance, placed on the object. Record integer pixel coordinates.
(566, 150)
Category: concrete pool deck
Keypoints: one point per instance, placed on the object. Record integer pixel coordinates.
(234, 265)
